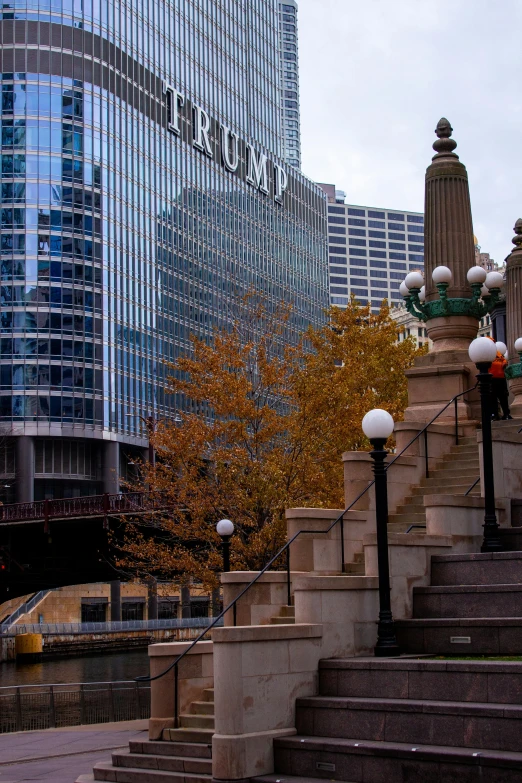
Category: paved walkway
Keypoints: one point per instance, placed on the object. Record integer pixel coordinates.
(61, 755)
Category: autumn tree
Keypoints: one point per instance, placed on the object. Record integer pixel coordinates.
(266, 430)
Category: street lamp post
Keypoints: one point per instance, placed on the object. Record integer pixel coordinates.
(482, 352)
(378, 426)
(225, 528)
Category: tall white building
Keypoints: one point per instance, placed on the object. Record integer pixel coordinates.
(370, 250)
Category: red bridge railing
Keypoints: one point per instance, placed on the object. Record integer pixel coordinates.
(86, 506)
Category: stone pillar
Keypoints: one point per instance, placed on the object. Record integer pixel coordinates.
(514, 318)
(111, 467)
(152, 600)
(24, 456)
(448, 239)
(115, 601)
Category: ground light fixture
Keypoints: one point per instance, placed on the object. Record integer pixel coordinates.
(225, 528)
(483, 352)
(378, 425)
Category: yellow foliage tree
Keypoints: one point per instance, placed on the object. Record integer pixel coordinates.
(266, 432)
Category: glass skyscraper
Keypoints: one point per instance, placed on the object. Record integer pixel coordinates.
(290, 82)
(144, 191)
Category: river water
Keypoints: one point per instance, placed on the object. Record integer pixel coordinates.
(90, 668)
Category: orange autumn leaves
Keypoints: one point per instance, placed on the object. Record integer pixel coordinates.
(266, 432)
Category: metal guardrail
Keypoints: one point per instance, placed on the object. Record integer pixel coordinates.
(31, 707)
(24, 608)
(109, 627)
(84, 506)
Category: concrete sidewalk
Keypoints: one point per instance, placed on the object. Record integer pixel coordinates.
(61, 755)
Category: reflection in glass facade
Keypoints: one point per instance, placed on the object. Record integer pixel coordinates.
(119, 237)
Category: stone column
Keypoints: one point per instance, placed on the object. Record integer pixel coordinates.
(111, 467)
(24, 457)
(115, 601)
(448, 238)
(514, 318)
(152, 600)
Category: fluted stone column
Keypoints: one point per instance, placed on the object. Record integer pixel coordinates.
(514, 314)
(448, 238)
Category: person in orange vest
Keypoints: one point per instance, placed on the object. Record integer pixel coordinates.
(499, 387)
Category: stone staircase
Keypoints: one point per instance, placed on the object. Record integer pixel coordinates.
(454, 475)
(184, 755)
(472, 607)
(286, 616)
(405, 721)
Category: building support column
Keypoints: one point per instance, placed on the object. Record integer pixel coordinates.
(152, 599)
(115, 601)
(111, 467)
(185, 602)
(24, 456)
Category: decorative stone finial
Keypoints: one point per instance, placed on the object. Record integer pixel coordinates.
(444, 130)
(517, 239)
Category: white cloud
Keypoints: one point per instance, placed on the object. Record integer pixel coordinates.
(375, 78)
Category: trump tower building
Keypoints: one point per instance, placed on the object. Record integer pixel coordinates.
(144, 189)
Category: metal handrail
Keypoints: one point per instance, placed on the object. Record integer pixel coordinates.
(286, 547)
(472, 486)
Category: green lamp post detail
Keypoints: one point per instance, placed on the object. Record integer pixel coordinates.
(485, 289)
(515, 370)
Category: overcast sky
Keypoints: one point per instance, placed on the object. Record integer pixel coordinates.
(376, 76)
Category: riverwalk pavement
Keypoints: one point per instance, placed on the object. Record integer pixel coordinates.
(61, 755)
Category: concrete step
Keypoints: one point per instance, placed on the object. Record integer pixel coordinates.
(203, 736)
(196, 750)
(104, 770)
(374, 762)
(354, 569)
(403, 527)
(358, 557)
(498, 568)
(496, 682)
(451, 723)
(282, 620)
(407, 519)
(287, 611)
(85, 778)
(468, 601)
(190, 721)
(414, 505)
(167, 763)
(286, 779)
(456, 636)
(461, 456)
(208, 694)
(443, 488)
(202, 707)
(456, 469)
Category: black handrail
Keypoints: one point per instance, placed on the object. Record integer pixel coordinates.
(472, 486)
(286, 547)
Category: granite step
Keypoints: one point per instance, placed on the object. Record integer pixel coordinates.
(468, 601)
(396, 762)
(202, 707)
(104, 770)
(443, 488)
(455, 468)
(455, 724)
(461, 636)
(192, 735)
(424, 678)
(354, 569)
(208, 694)
(412, 518)
(197, 750)
(166, 763)
(192, 721)
(494, 568)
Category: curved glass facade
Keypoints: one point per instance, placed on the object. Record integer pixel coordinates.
(120, 238)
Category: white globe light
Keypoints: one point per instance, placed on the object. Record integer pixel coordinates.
(476, 274)
(518, 344)
(484, 291)
(377, 424)
(414, 280)
(441, 274)
(501, 347)
(494, 280)
(482, 351)
(225, 527)
(422, 294)
(403, 289)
